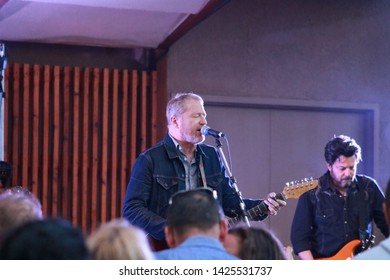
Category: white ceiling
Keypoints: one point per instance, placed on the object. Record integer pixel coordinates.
(108, 23)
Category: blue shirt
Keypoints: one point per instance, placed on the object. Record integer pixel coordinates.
(378, 252)
(196, 248)
(325, 221)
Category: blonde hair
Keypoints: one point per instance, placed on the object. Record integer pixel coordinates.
(18, 206)
(119, 240)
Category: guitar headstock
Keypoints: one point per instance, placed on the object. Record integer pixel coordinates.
(295, 189)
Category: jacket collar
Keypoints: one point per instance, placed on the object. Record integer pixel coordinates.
(172, 150)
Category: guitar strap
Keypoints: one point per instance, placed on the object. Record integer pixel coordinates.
(363, 234)
(201, 168)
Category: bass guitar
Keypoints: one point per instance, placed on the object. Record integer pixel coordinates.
(352, 248)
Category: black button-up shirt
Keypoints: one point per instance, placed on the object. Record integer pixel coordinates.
(325, 220)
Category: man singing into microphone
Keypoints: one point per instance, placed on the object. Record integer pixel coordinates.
(181, 162)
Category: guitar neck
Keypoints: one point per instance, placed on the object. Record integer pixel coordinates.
(293, 189)
(258, 210)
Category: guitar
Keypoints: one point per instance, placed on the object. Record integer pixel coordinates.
(293, 189)
(352, 248)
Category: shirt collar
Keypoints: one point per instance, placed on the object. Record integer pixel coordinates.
(354, 186)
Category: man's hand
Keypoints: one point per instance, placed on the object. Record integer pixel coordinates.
(273, 204)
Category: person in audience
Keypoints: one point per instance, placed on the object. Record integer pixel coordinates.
(119, 240)
(47, 239)
(195, 227)
(380, 251)
(254, 243)
(5, 171)
(17, 206)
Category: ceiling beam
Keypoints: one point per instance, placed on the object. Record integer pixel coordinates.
(2, 2)
(191, 22)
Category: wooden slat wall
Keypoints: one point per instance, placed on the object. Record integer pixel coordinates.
(72, 136)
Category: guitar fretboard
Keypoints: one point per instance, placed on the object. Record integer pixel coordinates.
(254, 212)
(293, 189)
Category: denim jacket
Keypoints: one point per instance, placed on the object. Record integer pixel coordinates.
(158, 173)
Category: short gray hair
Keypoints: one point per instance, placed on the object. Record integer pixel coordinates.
(176, 106)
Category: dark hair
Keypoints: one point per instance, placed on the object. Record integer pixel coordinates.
(257, 243)
(5, 172)
(342, 146)
(197, 208)
(50, 239)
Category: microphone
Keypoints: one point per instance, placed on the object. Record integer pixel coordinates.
(205, 130)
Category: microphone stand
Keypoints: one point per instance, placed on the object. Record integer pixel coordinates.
(233, 182)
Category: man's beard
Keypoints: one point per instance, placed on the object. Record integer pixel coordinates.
(344, 182)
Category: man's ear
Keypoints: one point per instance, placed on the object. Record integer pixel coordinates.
(223, 229)
(170, 237)
(328, 166)
(174, 121)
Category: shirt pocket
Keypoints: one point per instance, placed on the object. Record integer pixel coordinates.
(214, 181)
(326, 217)
(167, 183)
(166, 188)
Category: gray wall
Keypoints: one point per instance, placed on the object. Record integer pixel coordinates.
(314, 52)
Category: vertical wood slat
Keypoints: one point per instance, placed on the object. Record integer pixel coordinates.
(126, 136)
(85, 184)
(95, 148)
(66, 155)
(6, 118)
(153, 136)
(73, 136)
(104, 157)
(35, 135)
(144, 82)
(134, 113)
(26, 122)
(56, 142)
(76, 129)
(116, 141)
(46, 137)
(15, 121)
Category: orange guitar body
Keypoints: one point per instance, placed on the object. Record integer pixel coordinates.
(348, 251)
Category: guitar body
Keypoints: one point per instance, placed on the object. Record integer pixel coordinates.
(348, 251)
(351, 249)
